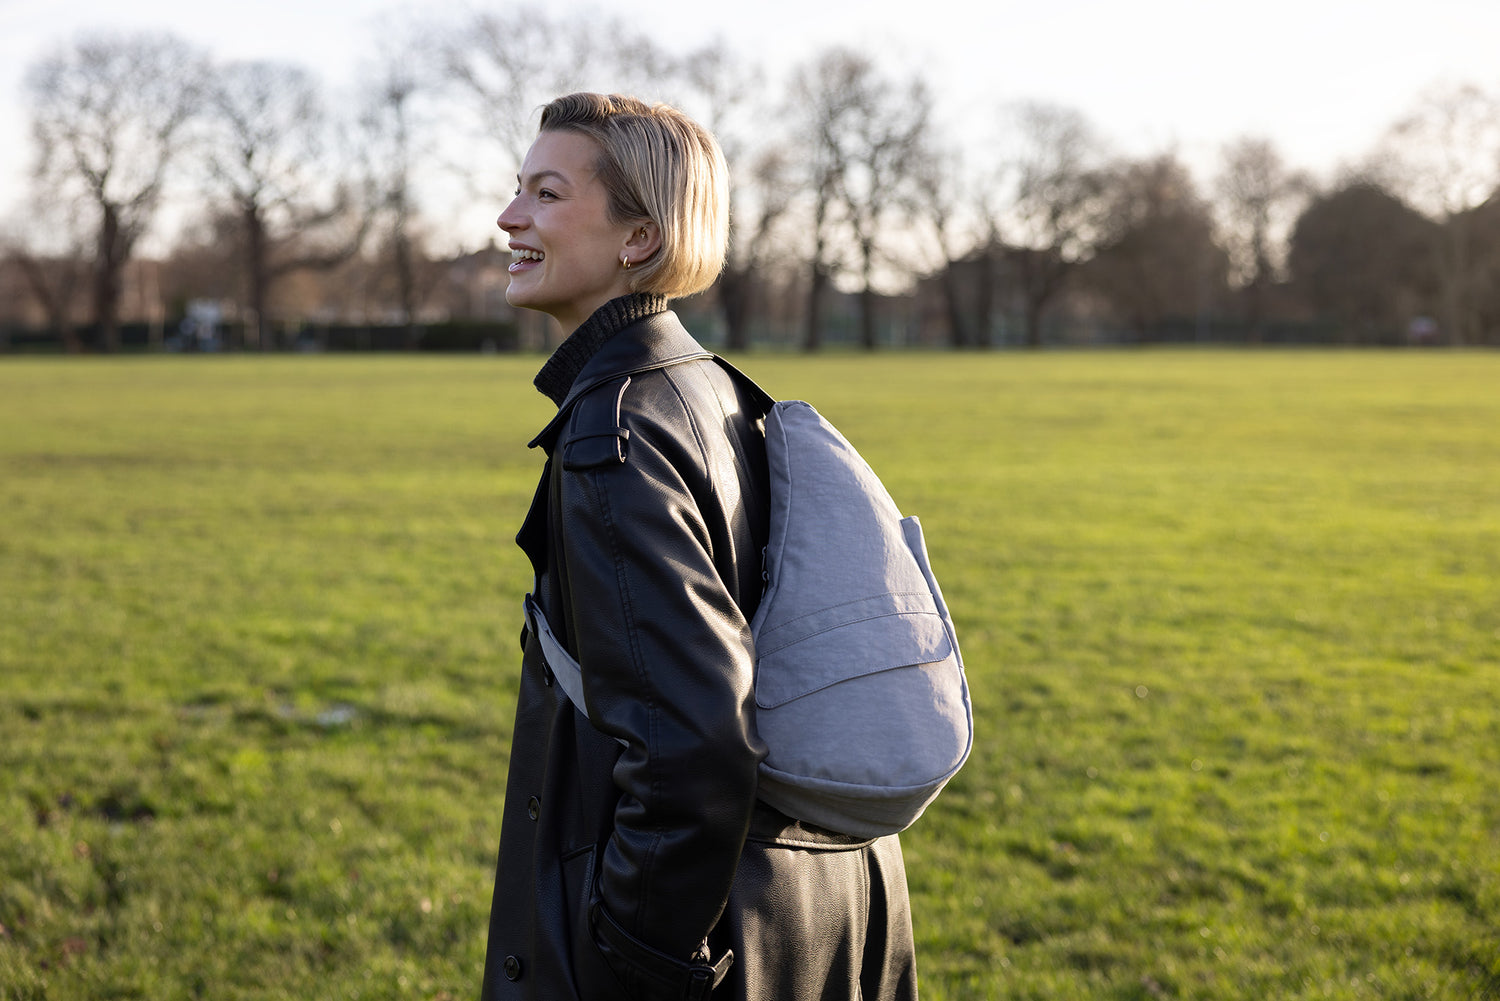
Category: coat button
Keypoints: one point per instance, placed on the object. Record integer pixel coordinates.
(533, 808)
(512, 968)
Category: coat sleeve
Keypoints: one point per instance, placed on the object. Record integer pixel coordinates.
(668, 666)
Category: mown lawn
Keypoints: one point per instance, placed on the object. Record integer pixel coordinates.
(1231, 620)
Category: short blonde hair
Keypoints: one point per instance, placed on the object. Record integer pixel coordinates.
(657, 163)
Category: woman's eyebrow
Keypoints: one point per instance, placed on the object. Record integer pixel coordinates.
(539, 175)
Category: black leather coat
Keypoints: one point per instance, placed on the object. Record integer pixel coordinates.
(634, 859)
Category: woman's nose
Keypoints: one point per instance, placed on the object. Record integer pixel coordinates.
(509, 219)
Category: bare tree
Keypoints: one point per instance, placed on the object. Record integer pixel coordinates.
(863, 137)
(396, 196)
(888, 140)
(1259, 197)
(52, 262)
(1157, 260)
(940, 192)
(505, 65)
(858, 139)
(823, 97)
(502, 68)
(391, 123)
(765, 193)
(1444, 157)
(1055, 212)
(269, 153)
(108, 114)
(760, 168)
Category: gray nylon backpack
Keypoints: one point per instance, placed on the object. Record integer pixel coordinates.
(860, 691)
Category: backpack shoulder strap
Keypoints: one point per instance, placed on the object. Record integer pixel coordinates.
(764, 400)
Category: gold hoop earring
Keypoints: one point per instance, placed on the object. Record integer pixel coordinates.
(625, 260)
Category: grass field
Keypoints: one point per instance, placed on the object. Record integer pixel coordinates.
(1231, 620)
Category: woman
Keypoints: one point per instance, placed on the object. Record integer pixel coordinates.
(635, 861)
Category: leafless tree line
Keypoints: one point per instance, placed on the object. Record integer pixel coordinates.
(850, 199)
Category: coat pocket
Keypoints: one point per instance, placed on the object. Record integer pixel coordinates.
(594, 977)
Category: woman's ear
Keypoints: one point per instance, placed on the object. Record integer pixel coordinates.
(643, 242)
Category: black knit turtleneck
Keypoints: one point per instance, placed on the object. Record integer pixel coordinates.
(556, 377)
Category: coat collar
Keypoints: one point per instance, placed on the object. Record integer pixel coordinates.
(654, 342)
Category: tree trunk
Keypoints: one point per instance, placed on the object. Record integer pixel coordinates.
(257, 274)
(734, 302)
(406, 286)
(985, 295)
(1260, 282)
(813, 336)
(958, 333)
(1454, 273)
(108, 265)
(1255, 309)
(867, 333)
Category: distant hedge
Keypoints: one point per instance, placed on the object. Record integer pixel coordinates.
(453, 336)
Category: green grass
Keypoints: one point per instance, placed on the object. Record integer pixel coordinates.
(1231, 620)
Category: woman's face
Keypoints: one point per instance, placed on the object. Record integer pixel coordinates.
(566, 251)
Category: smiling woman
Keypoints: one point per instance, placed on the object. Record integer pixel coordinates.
(636, 861)
(589, 190)
(570, 256)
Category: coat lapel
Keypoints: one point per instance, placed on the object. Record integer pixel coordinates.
(655, 342)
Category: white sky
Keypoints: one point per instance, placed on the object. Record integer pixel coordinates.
(1322, 78)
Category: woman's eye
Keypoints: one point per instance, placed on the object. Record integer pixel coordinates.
(544, 193)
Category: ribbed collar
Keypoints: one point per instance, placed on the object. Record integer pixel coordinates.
(557, 375)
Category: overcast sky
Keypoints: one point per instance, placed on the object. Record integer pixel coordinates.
(1322, 78)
